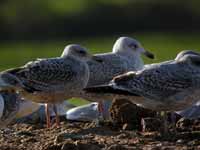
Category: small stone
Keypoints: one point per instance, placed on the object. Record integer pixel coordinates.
(29, 139)
(24, 133)
(59, 138)
(121, 136)
(184, 123)
(159, 145)
(69, 146)
(180, 141)
(194, 142)
(117, 147)
(127, 126)
(88, 146)
(52, 147)
(62, 136)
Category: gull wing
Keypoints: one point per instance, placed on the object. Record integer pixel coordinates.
(157, 81)
(43, 74)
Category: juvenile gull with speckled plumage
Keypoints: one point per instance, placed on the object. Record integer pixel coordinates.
(51, 80)
(192, 112)
(168, 86)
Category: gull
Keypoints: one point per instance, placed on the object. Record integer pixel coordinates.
(39, 115)
(13, 107)
(51, 80)
(88, 112)
(167, 86)
(192, 112)
(125, 56)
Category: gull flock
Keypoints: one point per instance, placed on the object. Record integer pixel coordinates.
(172, 85)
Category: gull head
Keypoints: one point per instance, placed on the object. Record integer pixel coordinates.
(192, 59)
(79, 52)
(128, 45)
(186, 52)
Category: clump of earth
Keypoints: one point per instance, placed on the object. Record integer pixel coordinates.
(128, 115)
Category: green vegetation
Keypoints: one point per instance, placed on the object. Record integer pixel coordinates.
(78, 102)
(165, 46)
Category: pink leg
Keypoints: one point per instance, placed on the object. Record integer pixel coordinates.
(100, 108)
(143, 124)
(57, 121)
(47, 116)
(57, 116)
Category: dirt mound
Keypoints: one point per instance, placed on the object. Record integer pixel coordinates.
(128, 115)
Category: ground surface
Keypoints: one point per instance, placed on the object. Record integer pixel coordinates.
(86, 136)
(124, 132)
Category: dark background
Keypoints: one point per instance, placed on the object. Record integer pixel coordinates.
(54, 19)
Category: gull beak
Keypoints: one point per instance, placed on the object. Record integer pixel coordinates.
(96, 58)
(147, 53)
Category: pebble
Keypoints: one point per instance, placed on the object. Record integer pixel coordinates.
(180, 141)
(116, 147)
(24, 133)
(63, 136)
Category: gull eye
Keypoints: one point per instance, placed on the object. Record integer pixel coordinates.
(133, 46)
(82, 52)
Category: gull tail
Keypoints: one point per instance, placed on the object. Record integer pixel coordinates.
(108, 89)
(8, 80)
(2, 82)
(1, 106)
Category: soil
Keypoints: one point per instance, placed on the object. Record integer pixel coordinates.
(108, 135)
(86, 136)
(124, 113)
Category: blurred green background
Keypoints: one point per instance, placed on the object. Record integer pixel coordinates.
(32, 29)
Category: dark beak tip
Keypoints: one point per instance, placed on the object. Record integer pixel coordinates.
(149, 55)
(152, 56)
(98, 59)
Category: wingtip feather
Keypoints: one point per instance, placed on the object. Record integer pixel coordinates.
(109, 89)
(2, 82)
